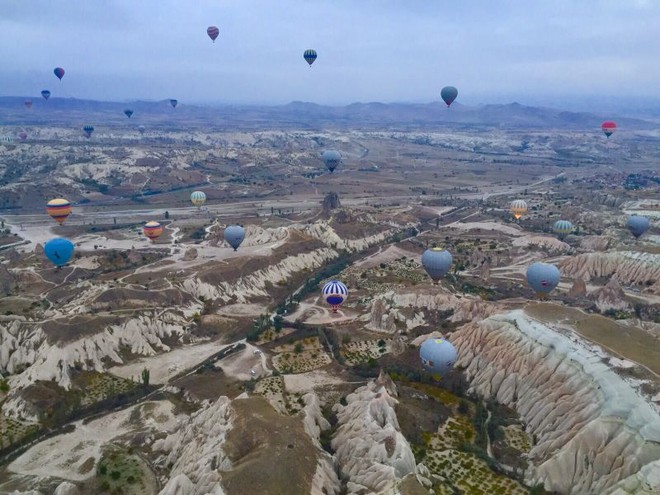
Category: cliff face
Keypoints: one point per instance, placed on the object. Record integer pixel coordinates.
(592, 428)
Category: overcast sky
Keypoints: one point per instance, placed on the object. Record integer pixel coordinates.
(368, 50)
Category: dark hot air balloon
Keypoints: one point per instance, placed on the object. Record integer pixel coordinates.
(449, 94)
(638, 224)
(58, 251)
(213, 32)
(128, 112)
(88, 129)
(59, 72)
(174, 103)
(332, 158)
(310, 56)
(436, 262)
(234, 235)
(28, 104)
(46, 94)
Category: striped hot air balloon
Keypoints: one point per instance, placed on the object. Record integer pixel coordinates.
(198, 198)
(59, 209)
(310, 56)
(152, 230)
(334, 293)
(518, 208)
(213, 32)
(562, 228)
(608, 127)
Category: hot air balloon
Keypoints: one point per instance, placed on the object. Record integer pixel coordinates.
(174, 103)
(58, 251)
(59, 72)
(213, 32)
(638, 224)
(310, 56)
(7, 141)
(234, 235)
(198, 198)
(334, 293)
(46, 94)
(128, 112)
(562, 228)
(28, 104)
(518, 208)
(542, 277)
(332, 158)
(23, 135)
(88, 129)
(152, 230)
(438, 356)
(141, 129)
(59, 209)
(436, 262)
(608, 127)
(448, 95)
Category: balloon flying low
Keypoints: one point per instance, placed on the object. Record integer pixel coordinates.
(141, 129)
(334, 293)
(88, 130)
(28, 104)
(58, 251)
(128, 112)
(438, 355)
(59, 209)
(436, 262)
(174, 103)
(234, 235)
(562, 228)
(638, 224)
(152, 230)
(608, 127)
(331, 158)
(198, 198)
(543, 278)
(518, 208)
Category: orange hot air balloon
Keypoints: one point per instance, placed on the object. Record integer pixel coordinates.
(152, 230)
(518, 208)
(59, 209)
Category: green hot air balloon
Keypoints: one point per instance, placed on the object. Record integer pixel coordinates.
(448, 95)
(562, 228)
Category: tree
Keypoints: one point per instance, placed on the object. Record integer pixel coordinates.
(167, 215)
(298, 348)
(145, 377)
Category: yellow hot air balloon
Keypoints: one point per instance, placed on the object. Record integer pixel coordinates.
(518, 208)
(59, 209)
(152, 230)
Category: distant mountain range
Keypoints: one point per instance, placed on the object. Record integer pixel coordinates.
(70, 111)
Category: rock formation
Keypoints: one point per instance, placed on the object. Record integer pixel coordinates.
(191, 254)
(331, 202)
(578, 289)
(594, 243)
(611, 297)
(592, 429)
(66, 488)
(7, 281)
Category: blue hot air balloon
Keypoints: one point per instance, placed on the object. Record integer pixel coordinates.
(543, 278)
(638, 224)
(438, 355)
(59, 251)
(331, 159)
(309, 56)
(234, 235)
(448, 95)
(46, 94)
(174, 103)
(334, 293)
(436, 262)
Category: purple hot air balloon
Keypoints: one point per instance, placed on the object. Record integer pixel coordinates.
(213, 32)
(59, 72)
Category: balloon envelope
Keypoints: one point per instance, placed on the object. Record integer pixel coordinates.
(23, 135)
(638, 224)
(128, 112)
(234, 235)
(152, 230)
(198, 198)
(436, 262)
(59, 72)
(58, 251)
(213, 32)
(334, 293)
(562, 228)
(46, 94)
(59, 209)
(88, 129)
(608, 127)
(332, 158)
(449, 94)
(438, 355)
(28, 104)
(518, 208)
(310, 56)
(174, 103)
(142, 129)
(543, 277)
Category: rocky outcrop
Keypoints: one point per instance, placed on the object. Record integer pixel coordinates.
(7, 281)
(646, 481)
(629, 267)
(191, 254)
(331, 202)
(594, 243)
(66, 488)
(373, 454)
(578, 289)
(195, 451)
(324, 232)
(592, 429)
(611, 297)
(551, 245)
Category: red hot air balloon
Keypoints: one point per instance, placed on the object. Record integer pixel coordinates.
(608, 127)
(213, 32)
(59, 72)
